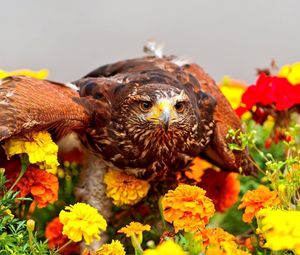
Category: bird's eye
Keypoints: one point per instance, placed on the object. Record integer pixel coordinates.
(179, 107)
(145, 106)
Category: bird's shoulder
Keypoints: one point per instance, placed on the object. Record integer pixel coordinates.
(124, 76)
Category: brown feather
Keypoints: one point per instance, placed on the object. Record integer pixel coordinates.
(225, 118)
(28, 104)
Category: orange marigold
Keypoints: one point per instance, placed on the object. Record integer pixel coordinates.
(226, 248)
(197, 168)
(257, 199)
(247, 242)
(187, 208)
(214, 236)
(218, 241)
(214, 250)
(43, 186)
(53, 234)
(135, 228)
(221, 187)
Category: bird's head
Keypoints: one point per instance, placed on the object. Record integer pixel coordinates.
(157, 106)
(162, 115)
(163, 109)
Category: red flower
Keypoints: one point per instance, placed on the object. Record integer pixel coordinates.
(279, 135)
(75, 155)
(53, 233)
(221, 187)
(42, 185)
(270, 90)
(268, 143)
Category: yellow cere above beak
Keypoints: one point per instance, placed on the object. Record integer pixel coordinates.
(161, 113)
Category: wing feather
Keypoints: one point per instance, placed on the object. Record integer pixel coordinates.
(29, 104)
(225, 118)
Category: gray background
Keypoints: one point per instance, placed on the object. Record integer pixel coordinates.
(71, 37)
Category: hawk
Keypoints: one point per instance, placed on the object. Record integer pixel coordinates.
(149, 116)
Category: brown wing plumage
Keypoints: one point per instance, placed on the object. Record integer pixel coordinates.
(225, 118)
(28, 104)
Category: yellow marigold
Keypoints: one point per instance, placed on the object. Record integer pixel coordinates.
(231, 248)
(125, 189)
(82, 221)
(41, 74)
(38, 146)
(280, 228)
(168, 247)
(257, 199)
(134, 228)
(135, 231)
(225, 248)
(233, 90)
(187, 208)
(114, 248)
(291, 72)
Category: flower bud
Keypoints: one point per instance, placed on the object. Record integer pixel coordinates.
(151, 244)
(30, 225)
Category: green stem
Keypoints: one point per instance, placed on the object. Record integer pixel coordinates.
(25, 163)
(161, 212)
(31, 242)
(252, 228)
(138, 250)
(26, 209)
(258, 167)
(64, 246)
(260, 153)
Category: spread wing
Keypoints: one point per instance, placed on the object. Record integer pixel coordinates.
(224, 116)
(28, 104)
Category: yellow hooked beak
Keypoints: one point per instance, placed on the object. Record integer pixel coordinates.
(161, 113)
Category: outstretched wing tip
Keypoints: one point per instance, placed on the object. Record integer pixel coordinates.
(29, 104)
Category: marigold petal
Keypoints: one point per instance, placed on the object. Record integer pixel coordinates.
(114, 248)
(81, 221)
(134, 228)
(280, 229)
(168, 247)
(38, 146)
(125, 189)
(253, 201)
(187, 208)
